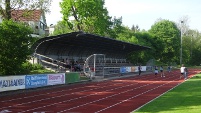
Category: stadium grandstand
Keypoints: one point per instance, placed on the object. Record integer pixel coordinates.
(101, 56)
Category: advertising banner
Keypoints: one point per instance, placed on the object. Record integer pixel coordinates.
(33, 81)
(128, 69)
(123, 69)
(134, 69)
(54, 79)
(144, 68)
(12, 83)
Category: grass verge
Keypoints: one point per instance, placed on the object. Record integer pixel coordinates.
(186, 98)
(41, 71)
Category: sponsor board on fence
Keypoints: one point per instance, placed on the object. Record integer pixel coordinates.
(33, 81)
(123, 69)
(12, 83)
(143, 68)
(133, 69)
(129, 69)
(54, 79)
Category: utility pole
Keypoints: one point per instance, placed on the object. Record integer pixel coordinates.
(181, 43)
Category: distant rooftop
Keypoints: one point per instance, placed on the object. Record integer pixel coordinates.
(26, 15)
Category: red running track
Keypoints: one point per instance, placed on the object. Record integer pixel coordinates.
(121, 95)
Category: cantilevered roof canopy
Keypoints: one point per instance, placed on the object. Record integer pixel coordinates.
(82, 44)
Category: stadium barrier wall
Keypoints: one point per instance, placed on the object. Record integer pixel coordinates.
(129, 69)
(41, 80)
(72, 77)
(8, 83)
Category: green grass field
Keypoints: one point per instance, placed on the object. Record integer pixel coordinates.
(186, 98)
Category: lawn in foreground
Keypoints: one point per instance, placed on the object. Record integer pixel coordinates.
(186, 98)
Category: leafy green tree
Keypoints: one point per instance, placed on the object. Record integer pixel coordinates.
(168, 37)
(117, 28)
(195, 60)
(86, 15)
(61, 28)
(186, 49)
(148, 40)
(126, 35)
(190, 45)
(195, 49)
(15, 45)
(6, 6)
(135, 28)
(141, 38)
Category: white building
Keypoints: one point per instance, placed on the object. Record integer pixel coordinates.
(34, 18)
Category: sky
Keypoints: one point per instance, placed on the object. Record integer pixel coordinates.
(144, 13)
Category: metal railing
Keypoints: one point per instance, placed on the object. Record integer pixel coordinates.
(50, 63)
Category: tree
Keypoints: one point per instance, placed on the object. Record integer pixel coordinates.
(126, 35)
(6, 6)
(15, 45)
(191, 47)
(61, 28)
(169, 35)
(135, 28)
(141, 38)
(145, 39)
(189, 41)
(196, 49)
(117, 27)
(88, 15)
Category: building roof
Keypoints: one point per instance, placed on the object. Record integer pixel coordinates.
(26, 15)
(82, 44)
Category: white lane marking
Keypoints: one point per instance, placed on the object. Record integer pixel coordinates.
(45, 93)
(132, 97)
(79, 97)
(5, 111)
(157, 97)
(54, 97)
(72, 93)
(161, 94)
(144, 93)
(40, 111)
(74, 99)
(65, 94)
(106, 97)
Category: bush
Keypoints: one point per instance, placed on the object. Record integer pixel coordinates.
(37, 66)
(15, 42)
(27, 67)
